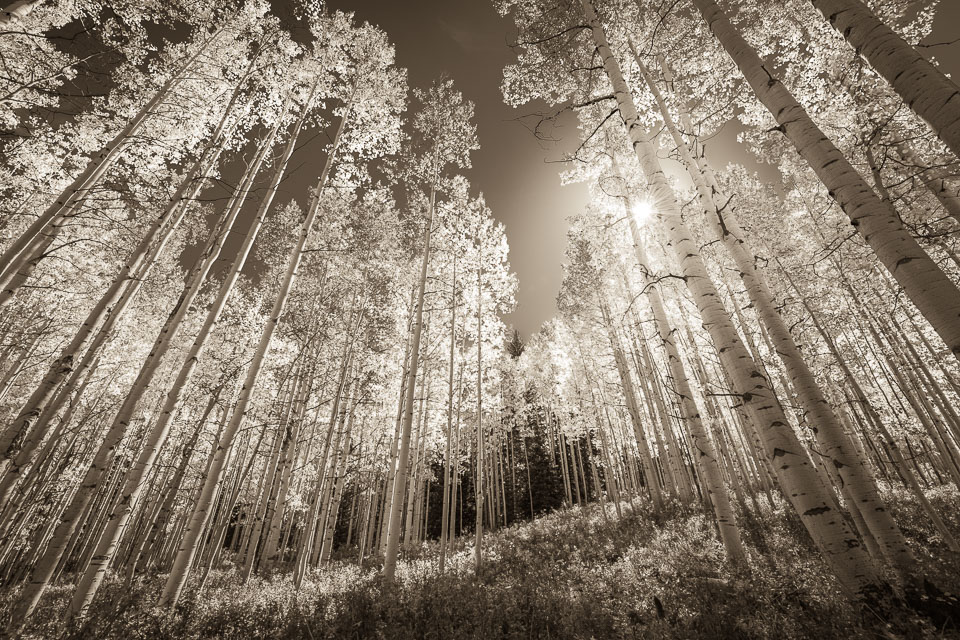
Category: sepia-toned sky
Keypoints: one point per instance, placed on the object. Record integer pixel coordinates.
(467, 39)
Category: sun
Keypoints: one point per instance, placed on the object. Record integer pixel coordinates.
(642, 211)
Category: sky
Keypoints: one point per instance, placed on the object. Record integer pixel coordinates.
(467, 40)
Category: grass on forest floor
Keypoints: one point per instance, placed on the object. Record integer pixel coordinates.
(570, 574)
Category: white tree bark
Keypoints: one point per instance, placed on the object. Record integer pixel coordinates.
(827, 429)
(187, 549)
(930, 290)
(839, 545)
(924, 88)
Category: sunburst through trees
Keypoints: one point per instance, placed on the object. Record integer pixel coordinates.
(257, 379)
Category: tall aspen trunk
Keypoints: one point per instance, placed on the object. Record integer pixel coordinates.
(116, 299)
(445, 510)
(121, 422)
(839, 545)
(385, 519)
(651, 477)
(271, 482)
(478, 525)
(832, 441)
(110, 538)
(330, 476)
(103, 458)
(653, 390)
(287, 461)
(262, 506)
(706, 453)
(923, 87)
(98, 166)
(399, 480)
(455, 488)
(333, 511)
(337, 414)
(609, 470)
(564, 470)
(418, 435)
(198, 519)
(656, 392)
(165, 502)
(922, 280)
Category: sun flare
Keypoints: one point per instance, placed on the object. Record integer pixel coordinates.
(642, 211)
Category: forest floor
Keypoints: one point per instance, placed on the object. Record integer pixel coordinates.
(569, 574)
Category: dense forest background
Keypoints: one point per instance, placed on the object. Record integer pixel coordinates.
(256, 381)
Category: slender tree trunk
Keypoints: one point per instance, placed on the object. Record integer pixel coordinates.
(306, 542)
(831, 439)
(385, 518)
(478, 527)
(445, 510)
(70, 198)
(118, 428)
(923, 87)
(922, 280)
(117, 298)
(706, 453)
(90, 582)
(287, 461)
(399, 479)
(333, 512)
(839, 545)
(650, 475)
(191, 539)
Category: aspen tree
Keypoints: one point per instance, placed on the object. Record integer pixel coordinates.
(70, 198)
(651, 478)
(116, 299)
(922, 86)
(445, 127)
(337, 414)
(289, 454)
(937, 298)
(198, 520)
(385, 512)
(445, 509)
(478, 528)
(403, 453)
(69, 520)
(839, 545)
(703, 446)
(830, 436)
(110, 537)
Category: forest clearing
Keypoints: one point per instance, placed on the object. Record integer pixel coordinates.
(261, 370)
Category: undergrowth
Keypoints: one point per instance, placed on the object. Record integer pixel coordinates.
(571, 574)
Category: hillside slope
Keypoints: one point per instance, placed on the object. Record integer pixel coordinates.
(570, 574)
